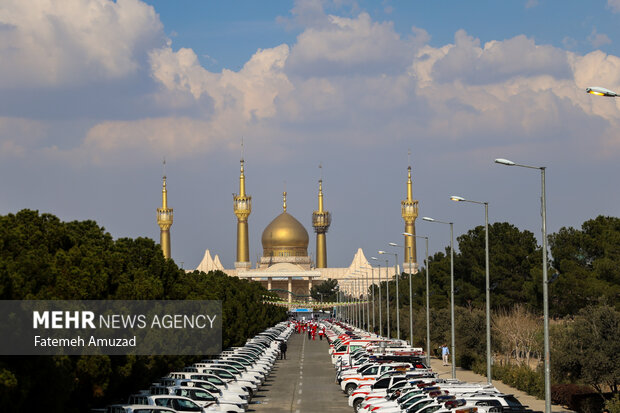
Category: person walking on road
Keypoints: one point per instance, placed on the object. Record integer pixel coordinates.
(445, 352)
(283, 348)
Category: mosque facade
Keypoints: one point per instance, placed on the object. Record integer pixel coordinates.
(285, 266)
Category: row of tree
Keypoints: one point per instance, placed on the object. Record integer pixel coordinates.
(583, 270)
(42, 258)
(584, 287)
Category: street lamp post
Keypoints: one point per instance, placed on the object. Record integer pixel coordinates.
(372, 293)
(380, 310)
(453, 350)
(428, 318)
(387, 295)
(487, 286)
(410, 293)
(387, 290)
(397, 288)
(543, 213)
(367, 299)
(360, 294)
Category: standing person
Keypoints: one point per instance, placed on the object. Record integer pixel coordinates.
(283, 348)
(321, 332)
(445, 352)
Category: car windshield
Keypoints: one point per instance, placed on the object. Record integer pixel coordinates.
(417, 406)
(215, 380)
(182, 404)
(152, 411)
(513, 402)
(407, 396)
(208, 386)
(203, 396)
(430, 409)
(413, 400)
(222, 374)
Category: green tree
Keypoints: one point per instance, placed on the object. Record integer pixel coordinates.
(512, 256)
(587, 350)
(326, 291)
(587, 265)
(44, 258)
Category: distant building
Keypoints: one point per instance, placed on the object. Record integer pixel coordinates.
(285, 266)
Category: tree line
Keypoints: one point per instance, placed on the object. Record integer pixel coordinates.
(43, 258)
(584, 287)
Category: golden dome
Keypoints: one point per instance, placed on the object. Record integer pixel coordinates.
(285, 236)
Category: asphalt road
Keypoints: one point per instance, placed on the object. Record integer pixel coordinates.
(305, 382)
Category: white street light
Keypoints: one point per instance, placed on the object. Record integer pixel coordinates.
(543, 213)
(601, 91)
(380, 311)
(453, 350)
(397, 289)
(487, 284)
(387, 293)
(428, 319)
(504, 162)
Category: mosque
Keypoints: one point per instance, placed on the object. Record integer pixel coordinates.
(285, 266)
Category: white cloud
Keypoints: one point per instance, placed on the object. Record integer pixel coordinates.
(598, 39)
(531, 3)
(352, 45)
(250, 93)
(173, 137)
(498, 60)
(49, 43)
(347, 79)
(18, 136)
(497, 94)
(614, 5)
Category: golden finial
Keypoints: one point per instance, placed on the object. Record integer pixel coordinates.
(321, 220)
(242, 207)
(284, 200)
(164, 192)
(164, 217)
(242, 180)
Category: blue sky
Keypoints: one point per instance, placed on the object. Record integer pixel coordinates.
(94, 94)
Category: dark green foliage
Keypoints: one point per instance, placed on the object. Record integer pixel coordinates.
(586, 261)
(587, 350)
(512, 255)
(470, 332)
(44, 258)
(520, 377)
(326, 291)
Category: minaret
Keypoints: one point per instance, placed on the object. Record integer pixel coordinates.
(164, 220)
(243, 207)
(409, 212)
(320, 221)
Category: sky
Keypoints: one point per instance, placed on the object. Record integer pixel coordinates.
(94, 94)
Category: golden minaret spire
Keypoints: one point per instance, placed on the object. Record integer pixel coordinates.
(243, 208)
(320, 221)
(409, 212)
(164, 219)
